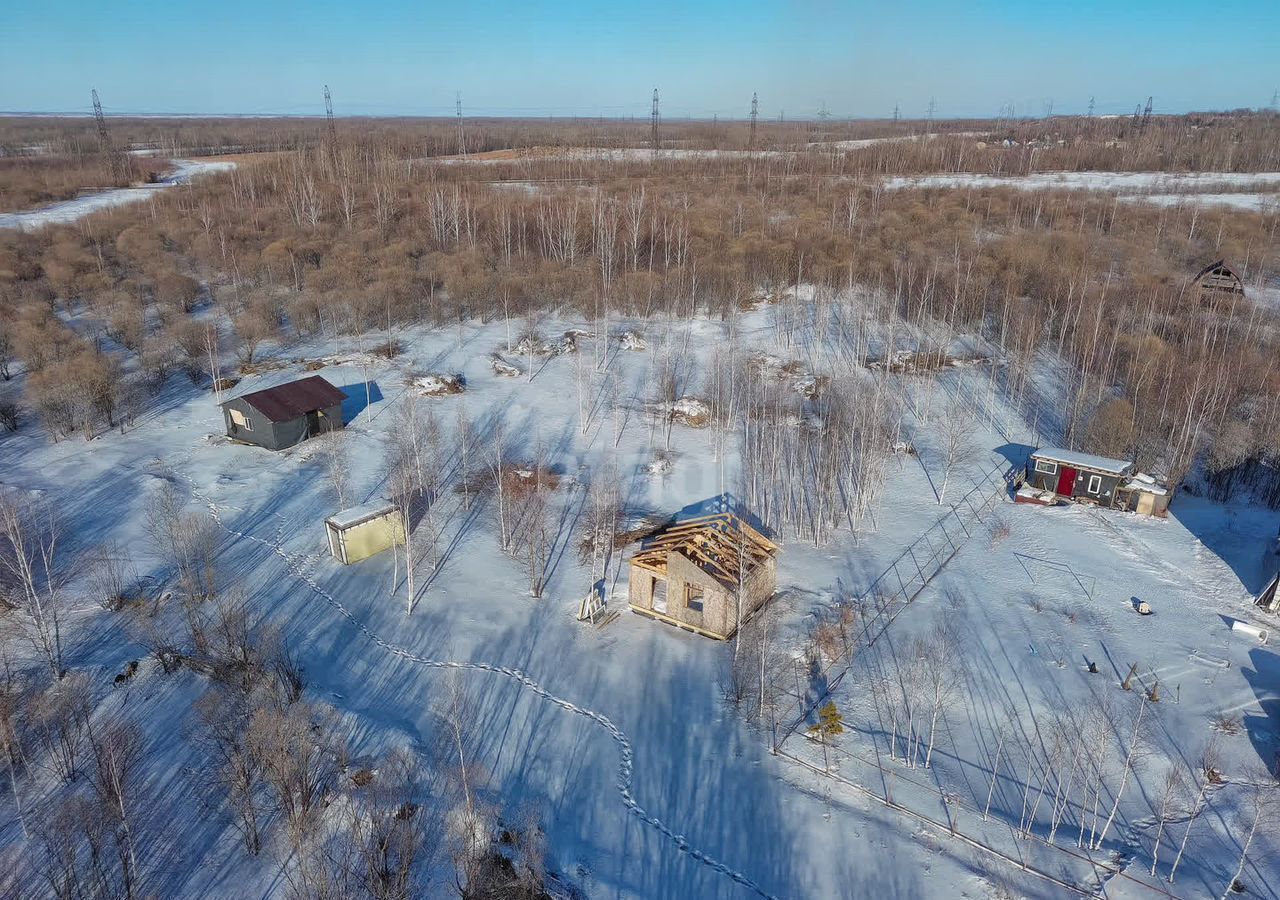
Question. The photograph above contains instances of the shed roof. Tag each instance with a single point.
(1080, 460)
(294, 398)
(362, 513)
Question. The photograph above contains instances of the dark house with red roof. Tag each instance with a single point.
(286, 414)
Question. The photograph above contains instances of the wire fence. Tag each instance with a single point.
(889, 594)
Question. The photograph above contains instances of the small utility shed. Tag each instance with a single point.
(705, 574)
(285, 415)
(360, 532)
(1078, 476)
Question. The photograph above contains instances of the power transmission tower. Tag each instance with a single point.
(1275, 100)
(932, 106)
(104, 139)
(823, 115)
(895, 112)
(119, 162)
(328, 114)
(653, 122)
(1090, 113)
(755, 112)
(1146, 116)
(462, 143)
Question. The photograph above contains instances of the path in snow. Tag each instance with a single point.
(72, 210)
(625, 765)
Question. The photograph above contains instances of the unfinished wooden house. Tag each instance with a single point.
(1218, 278)
(707, 574)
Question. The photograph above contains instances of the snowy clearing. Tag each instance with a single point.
(71, 210)
(1118, 182)
(653, 786)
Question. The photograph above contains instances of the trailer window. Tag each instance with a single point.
(240, 420)
(1095, 484)
(1048, 467)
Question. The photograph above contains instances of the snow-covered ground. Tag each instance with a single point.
(1160, 187)
(72, 210)
(618, 739)
(1248, 201)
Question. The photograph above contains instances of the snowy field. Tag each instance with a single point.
(71, 210)
(617, 739)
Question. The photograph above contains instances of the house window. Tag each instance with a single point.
(1095, 484)
(1047, 467)
(240, 420)
(693, 595)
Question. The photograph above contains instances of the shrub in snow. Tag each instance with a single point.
(435, 384)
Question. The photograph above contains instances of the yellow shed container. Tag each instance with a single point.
(360, 532)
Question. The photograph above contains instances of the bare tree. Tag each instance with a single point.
(117, 754)
(34, 571)
(59, 720)
(233, 777)
(1170, 788)
(1204, 775)
(337, 465)
(1262, 798)
(957, 426)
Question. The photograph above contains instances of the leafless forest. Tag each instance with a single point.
(376, 225)
(362, 230)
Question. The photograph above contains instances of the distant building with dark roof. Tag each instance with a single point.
(285, 415)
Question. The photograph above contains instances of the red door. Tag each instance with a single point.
(1066, 481)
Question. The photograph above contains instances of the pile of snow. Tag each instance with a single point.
(632, 340)
(503, 368)
(435, 384)
(692, 412)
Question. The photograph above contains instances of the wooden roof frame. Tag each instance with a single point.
(722, 544)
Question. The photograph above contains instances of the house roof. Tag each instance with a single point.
(288, 401)
(1079, 460)
(721, 544)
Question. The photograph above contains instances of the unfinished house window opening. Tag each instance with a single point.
(693, 597)
(1046, 467)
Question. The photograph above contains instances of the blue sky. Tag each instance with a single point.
(542, 57)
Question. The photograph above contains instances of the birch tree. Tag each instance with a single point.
(35, 571)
